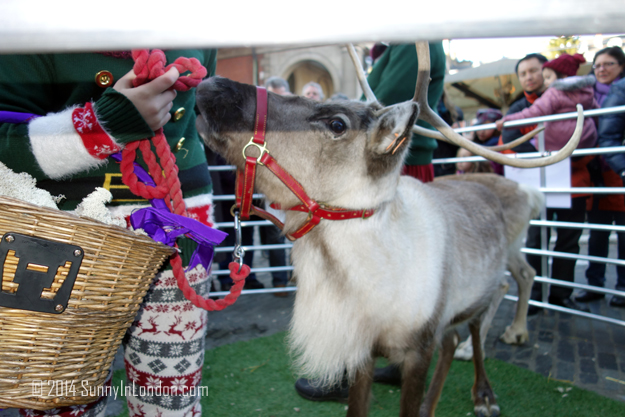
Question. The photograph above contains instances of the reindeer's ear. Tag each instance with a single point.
(393, 124)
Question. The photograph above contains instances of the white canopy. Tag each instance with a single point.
(78, 25)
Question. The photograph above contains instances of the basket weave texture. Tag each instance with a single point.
(75, 348)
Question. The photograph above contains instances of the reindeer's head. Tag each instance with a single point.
(344, 154)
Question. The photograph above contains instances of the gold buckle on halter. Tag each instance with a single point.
(262, 150)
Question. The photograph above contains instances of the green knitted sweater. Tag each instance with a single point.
(43, 84)
(393, 79)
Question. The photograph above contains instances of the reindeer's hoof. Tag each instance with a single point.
(484, 402)
(514, 337)
(485, 410)
(464, 351)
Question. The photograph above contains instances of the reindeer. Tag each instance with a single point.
(197, 327)
(172, 328)
(409, 262)
(153, 329)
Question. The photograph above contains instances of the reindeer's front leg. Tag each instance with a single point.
(483, 395)
(445, 357)
(414, 373)
(360, 391)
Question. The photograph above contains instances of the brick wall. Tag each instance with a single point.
(237, 69)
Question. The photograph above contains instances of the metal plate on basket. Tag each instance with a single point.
(37, 274)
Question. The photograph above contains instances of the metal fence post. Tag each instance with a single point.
(544, 244)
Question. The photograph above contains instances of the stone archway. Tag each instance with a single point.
(309, 70)
(330, 66)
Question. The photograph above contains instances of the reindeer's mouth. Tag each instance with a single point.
(202, 127)
(209, 136)
(224, 109)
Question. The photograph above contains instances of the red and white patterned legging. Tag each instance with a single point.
(163, 355)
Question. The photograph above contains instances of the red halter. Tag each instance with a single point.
(245, 183)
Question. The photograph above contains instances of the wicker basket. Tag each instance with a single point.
(76, 347)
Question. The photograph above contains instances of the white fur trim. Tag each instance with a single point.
(57, 146)
(574, 82)
(199, 200)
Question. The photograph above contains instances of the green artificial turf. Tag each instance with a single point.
(255, 379)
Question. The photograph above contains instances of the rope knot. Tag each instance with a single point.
(151, 65)
(238, 276)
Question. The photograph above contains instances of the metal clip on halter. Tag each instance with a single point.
(262, 148)
(239, 252)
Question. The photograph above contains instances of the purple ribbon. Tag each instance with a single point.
(15, 117)
(165, 227)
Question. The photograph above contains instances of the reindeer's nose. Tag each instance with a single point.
(225, 105)
(210, 86)
(210, 97)
(219, 92)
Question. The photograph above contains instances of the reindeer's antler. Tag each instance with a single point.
(428, 115)
(362, 77)
(516, 142)
(447, 134)
(371, 98)
(438, 135)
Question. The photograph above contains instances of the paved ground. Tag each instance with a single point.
(587, 353)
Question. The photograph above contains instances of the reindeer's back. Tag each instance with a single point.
(519, 203)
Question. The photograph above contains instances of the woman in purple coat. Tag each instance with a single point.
(609, 69)
(565, 91)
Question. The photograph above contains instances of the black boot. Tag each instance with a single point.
(588, 296)
(311, 390)
(388, 375)
(568, 303)
(617, 301)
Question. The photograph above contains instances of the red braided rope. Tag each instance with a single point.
(207, 303)
(165, 174)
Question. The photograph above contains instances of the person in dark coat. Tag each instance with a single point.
(529, 70)
(610, 133)
(453, 116)
(393, 80)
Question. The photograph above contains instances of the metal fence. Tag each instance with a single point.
(542, 222)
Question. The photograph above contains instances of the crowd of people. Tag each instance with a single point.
(69, 159)
(553, 87)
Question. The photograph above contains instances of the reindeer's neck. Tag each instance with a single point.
(350, 276)
(333, 245)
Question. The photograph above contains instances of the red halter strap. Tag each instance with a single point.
(245, 183)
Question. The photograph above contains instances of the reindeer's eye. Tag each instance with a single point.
(338, 126)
